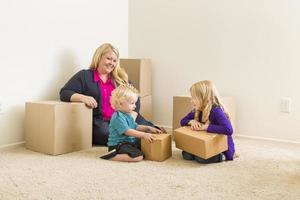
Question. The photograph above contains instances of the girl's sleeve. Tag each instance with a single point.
(74, 85)
(190, 116)
(219, 122)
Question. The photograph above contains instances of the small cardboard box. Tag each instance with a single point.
(55, 127)
(159, 150)
(139, 73)
(200, 143)
(146, 107)
(182, 106)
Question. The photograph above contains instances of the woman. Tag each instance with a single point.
(93, 87)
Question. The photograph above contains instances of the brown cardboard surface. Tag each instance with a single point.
(146, 107)
(55, 127)
(182, 106)
(159, 150)
(200, 143)
(139, 73)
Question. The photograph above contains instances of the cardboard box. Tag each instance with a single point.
(200, 143)
(159, 150)
(55, 127)
(139, 73)
(146, 107)
(182, 106)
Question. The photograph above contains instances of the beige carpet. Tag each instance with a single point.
(265, 170)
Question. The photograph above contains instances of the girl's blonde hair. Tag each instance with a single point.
(207, 95)
(123, 92)
(119, 74)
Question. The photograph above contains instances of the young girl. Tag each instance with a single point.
(124, 133)
(208, 115)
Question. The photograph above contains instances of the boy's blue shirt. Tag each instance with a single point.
(120, 122)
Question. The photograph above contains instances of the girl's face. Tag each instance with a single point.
(128, 105)
(108, 62)
(196, 103)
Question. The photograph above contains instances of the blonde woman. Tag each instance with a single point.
(94, 86)
(210, 115)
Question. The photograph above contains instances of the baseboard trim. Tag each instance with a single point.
(267, 139)
(169, 129)
(12, 146)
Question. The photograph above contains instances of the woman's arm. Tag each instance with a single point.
(74, 85)
(74, 89)
(148, 129)
(137, 105)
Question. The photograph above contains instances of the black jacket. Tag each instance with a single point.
(83, 83)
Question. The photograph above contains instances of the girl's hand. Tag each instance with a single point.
(195, 125)
(89, 101)
(203, 127)
(154, 130)
(148, 136)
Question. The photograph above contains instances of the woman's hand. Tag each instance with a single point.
(195, 125)
(154, 130)
(148, 136)
(89, 101)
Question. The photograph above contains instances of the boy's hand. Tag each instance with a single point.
(195, 125)
(154, 130)
(149, 137)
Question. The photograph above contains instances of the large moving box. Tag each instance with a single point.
(55, 127)
(139, 73)
(182, 106)
(200, 143)
(146, 107)
(160, 149)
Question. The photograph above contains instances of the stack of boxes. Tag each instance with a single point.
(139, 73)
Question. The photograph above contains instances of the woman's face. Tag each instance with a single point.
(108, 62)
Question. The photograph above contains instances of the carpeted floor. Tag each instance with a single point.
(264, 170)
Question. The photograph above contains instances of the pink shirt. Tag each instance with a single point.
(105, 90)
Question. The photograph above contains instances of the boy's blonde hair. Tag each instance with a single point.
(123, 92)
(206, 93)
(118, 73)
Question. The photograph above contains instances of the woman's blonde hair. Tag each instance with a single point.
(118, 73)
(123, 92)
(207, 95)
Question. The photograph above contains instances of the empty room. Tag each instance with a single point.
(140, 99)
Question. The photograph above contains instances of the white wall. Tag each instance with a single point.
(249, 48)
(43, 43)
